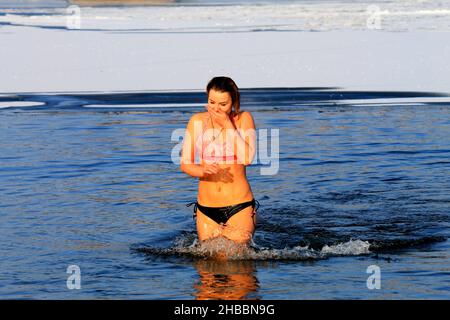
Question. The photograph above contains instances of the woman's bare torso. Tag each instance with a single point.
(229, 186)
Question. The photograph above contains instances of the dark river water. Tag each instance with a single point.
(360, 179)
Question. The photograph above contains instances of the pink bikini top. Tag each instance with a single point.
(211, 147)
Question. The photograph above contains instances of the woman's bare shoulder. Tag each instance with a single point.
(199, 116)
(244, 117)
(245, 114)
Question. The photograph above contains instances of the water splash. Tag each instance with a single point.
(350, 248)
(221, 248)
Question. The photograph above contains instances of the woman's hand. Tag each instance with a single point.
(209, 169)
(221, 118)
(217, 173)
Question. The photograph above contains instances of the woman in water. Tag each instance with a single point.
(224, 139)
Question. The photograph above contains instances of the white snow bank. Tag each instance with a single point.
(300, 16)
(12, 104)
(169, 48)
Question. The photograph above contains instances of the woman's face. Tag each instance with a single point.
(219, 101)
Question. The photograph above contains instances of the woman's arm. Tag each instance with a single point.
(187, 163)
(245, 138)
(200, 171)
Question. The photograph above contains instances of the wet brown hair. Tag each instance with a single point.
(225, 84)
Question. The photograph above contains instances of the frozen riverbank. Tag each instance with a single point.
(162, 49)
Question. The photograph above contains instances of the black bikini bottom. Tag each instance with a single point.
(222, 214)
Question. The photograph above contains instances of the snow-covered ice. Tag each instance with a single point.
(396, 45)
